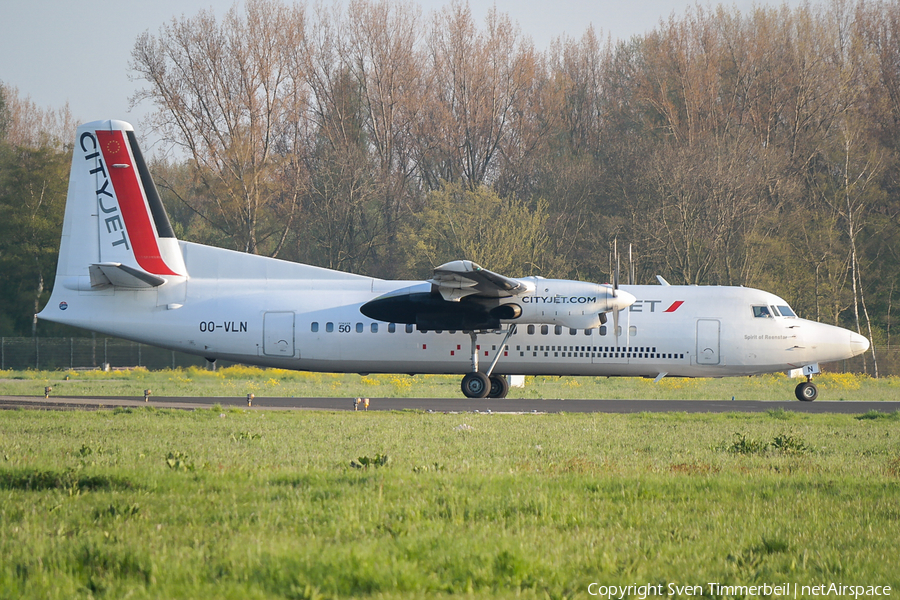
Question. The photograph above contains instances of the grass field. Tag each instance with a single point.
(239, 381)
(143, 503)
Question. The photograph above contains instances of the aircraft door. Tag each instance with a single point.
(278, 334)
(708, 341)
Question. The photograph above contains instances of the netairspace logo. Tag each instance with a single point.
(785, 590)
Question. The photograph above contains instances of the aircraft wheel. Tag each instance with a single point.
(499, 387)
(476, 385)
(806, 391)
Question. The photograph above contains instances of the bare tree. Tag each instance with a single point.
(382, 52)
(849, 192)
(26, 125)
(230, 95)
(475, 82)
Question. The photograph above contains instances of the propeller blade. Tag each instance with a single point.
(616, 327)
(628, 333)
(616, 273)
(619, 302)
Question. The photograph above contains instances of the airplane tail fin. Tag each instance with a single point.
(116, 232)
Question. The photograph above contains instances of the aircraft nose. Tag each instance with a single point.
(621, 301)
(858, 344)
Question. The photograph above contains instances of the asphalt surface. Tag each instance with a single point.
(458, 405)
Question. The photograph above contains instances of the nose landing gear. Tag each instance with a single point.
(807, 390)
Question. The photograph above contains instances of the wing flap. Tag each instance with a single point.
(460, 278)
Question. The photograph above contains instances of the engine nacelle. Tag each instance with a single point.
(507, 312)
(573, 304)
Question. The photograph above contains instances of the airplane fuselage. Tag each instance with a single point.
(315, 324)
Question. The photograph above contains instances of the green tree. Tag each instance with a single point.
(32, 199)
(506, 235)
(33, 180)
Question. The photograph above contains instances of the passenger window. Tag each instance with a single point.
(392, 327)
(409, 328)
(572, 331)
(329, 327)
(531, 330)
(374, 328)
(545, 329)
(632, 331)
(588, 331)
(314, 327)
(761, 312)
(558, 330)
(359, 328)
(603, 330)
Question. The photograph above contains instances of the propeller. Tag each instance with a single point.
(620, 298)
(616, 290)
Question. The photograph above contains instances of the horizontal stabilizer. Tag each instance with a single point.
(119, 275)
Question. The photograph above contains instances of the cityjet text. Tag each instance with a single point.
(105, 199)
(559, 299)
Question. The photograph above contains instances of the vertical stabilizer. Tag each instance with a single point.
(115, 232)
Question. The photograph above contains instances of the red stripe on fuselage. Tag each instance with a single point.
(130, 196)
(674, 306)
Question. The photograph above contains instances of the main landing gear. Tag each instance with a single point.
(476, 384)
(807, 390)
(479, 385)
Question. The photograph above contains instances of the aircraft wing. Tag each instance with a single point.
(460, 278)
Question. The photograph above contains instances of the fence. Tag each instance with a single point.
(18, 353)
(888, 358)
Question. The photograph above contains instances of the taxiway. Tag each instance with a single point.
(458, 405)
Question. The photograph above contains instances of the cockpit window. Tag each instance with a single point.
(767, 312)
(786, 311)
(761, 311)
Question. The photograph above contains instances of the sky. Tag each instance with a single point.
(59, 51)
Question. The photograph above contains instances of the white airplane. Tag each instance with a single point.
(121, 272)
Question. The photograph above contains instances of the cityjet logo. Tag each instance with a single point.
(559, 299)
(105, 199)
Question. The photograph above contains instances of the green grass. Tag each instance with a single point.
(239, 381)
(144, 503)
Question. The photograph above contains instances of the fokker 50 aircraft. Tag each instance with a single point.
(121, 272)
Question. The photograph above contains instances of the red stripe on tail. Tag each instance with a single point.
(132, 202)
